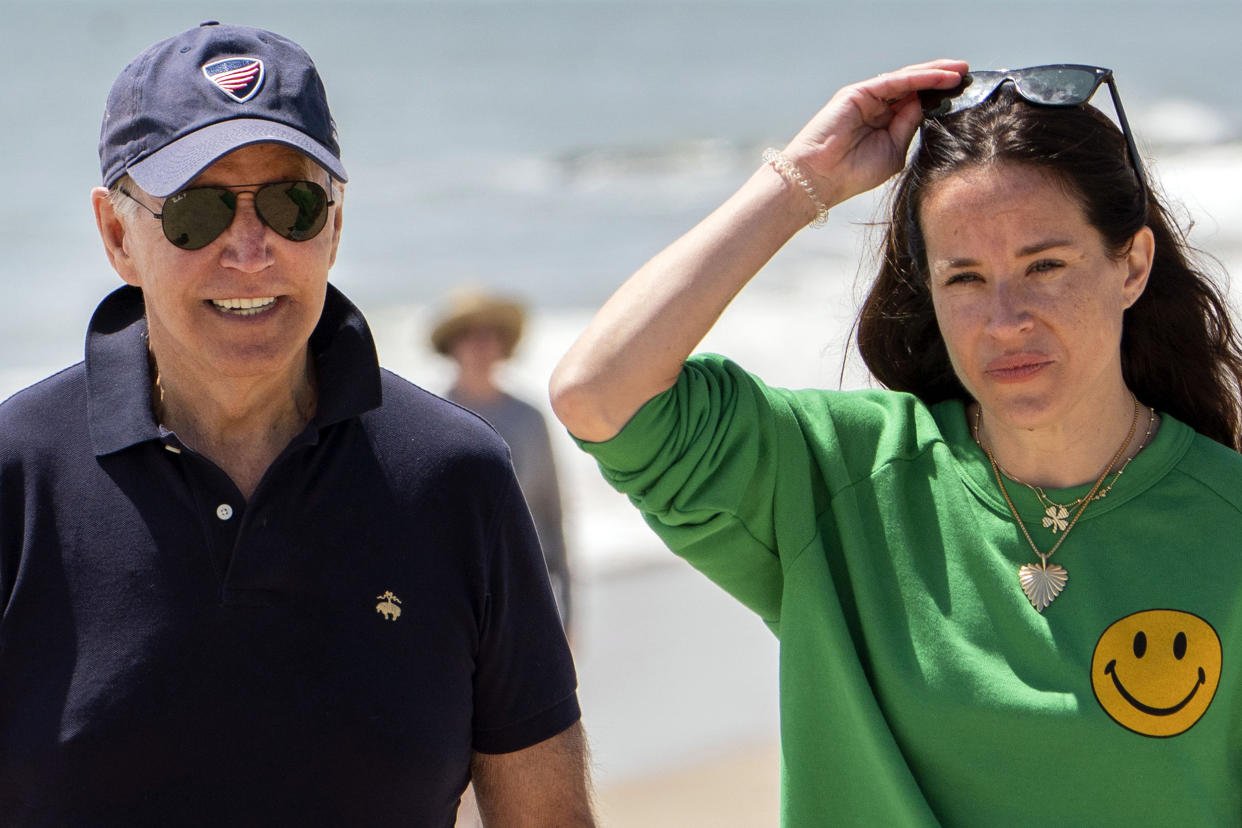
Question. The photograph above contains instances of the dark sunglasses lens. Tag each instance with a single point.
(972, 91)
(195, 218)
(936, 102)
(296, 210)
(1058, 86)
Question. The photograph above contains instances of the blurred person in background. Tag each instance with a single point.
(246, 575)
(479, 332)
(1006, 584)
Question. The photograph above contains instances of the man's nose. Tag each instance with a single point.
(247, 241)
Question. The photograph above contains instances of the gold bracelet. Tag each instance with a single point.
(789, 170)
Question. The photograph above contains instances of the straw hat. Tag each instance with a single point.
(469, 309)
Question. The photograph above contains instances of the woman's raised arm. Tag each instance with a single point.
(635, 346)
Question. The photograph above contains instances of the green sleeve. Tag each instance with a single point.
(707, 463)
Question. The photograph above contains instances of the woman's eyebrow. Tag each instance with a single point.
(1040, 247)
(1029, 250)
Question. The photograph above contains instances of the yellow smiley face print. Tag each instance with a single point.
(1155, 672)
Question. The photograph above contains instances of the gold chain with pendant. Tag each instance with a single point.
(1040, 582)
(1056, 515)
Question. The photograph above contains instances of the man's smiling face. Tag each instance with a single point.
(245, 304)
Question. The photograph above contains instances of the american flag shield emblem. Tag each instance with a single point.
(238, 77)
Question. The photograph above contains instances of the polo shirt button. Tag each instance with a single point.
(224, 511)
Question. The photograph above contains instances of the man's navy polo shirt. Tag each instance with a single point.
(329, 652)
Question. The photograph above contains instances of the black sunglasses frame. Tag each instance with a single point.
(316, 189)
(938, 103)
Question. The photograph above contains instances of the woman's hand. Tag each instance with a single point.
(859, 139)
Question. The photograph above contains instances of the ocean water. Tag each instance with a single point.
(548, 148)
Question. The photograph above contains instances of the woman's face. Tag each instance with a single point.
(1027, 298)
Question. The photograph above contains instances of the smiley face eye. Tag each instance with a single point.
(1179, 646)
(1140, 644)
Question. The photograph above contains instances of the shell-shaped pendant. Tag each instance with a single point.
(1042, 583)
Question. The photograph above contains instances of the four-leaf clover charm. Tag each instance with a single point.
(1056, 518)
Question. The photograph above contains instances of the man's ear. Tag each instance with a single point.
(1138, 265)
(113, 231)
(338, 220)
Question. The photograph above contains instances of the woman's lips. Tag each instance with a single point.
(1016, 368)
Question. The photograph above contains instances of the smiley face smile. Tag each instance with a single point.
(1111, 669)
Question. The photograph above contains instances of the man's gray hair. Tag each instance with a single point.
(124, 206)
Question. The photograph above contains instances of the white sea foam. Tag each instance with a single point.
(1207, 180)
(1185, 122)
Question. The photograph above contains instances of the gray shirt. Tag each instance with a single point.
(523, 428)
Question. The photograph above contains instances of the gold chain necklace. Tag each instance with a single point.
(1040, 582)
(1056, 515)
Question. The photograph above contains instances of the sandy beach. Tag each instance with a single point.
(740, 789)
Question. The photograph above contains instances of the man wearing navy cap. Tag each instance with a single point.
(247, 576)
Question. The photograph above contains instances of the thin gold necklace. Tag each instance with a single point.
(1040, 582)
(1056, 515)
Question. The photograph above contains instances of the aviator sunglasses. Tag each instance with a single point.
(1060, 84)
(195, 217)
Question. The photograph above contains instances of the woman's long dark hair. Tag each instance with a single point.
(1179, 350)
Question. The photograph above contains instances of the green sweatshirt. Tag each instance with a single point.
(918, 685)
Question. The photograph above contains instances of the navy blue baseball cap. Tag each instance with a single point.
(188, 101)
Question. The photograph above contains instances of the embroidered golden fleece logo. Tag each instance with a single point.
(388, 606)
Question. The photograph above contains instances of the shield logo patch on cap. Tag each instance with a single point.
(238, 77)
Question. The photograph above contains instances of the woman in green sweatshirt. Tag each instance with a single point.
(983, 621)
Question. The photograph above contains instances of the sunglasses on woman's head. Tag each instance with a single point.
(1060, 84)
(195, 217)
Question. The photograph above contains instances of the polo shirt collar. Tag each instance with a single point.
(118, 372)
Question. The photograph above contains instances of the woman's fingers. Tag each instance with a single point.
(859, 138)
(891, 87)
(907, 115)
